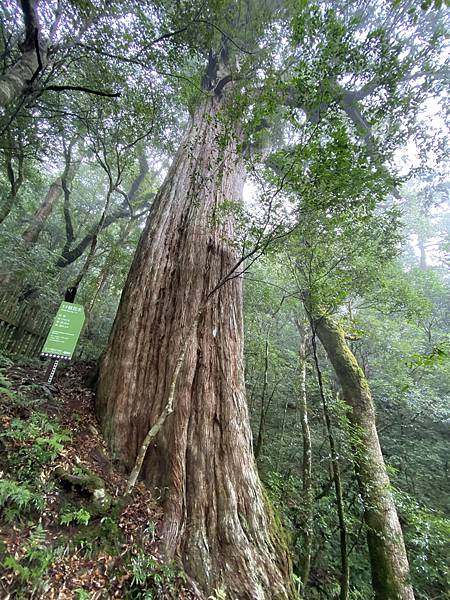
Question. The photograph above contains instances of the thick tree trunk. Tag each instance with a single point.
(389, 563)
(16, 80)
(201, 464)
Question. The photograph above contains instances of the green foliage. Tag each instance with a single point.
(152, 579)
(80, 517)
(150, 531)
(438, 354)
(427, 536)
(323, 96)
(90, 536)
(82, 594)
(33, 442)
(29, 444)
(5, 385)
(31, 569)
(18, 499)
(398, 317)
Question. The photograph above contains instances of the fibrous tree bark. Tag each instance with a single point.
(201, 464)
(389, 562)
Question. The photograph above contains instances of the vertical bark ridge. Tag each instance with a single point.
(201, 464)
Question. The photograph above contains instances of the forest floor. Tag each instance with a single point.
(58, 539)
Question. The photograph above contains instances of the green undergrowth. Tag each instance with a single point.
(426, 533)
(49, 529)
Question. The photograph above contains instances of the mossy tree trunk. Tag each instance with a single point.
(15, 176)
(201, 463)
(19, 77)
(15, 81)
(389, 562)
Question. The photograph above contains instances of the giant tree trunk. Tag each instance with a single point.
(389, 563)
(201, 464)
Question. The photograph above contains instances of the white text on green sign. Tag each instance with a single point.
(65, 331)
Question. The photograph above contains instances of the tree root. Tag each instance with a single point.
(88, 484)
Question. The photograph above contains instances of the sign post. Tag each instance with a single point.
(63, 335)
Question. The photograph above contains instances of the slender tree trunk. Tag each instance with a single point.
(389, 563)
(281, 440)
(32, 232)
(336, 474)
(105, 272)
(73, 288)
(15, 180)
(306, 464)
(201, 462)
(263, 411)
(423, 254)
(101, 281)
(7, 205)
(70, 253)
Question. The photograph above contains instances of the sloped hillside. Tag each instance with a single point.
(65, 530)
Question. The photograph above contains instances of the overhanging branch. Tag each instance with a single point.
(80, 88)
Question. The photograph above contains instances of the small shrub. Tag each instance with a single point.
(18, 499)
(80, 517)
(151, 580)
(32, 568)
(32, 443)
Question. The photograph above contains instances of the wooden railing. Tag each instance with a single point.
(23, 327)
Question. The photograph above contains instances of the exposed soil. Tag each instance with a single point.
(104, 571)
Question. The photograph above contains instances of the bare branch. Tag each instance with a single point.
(80, 88)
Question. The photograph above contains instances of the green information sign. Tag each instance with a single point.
(65, 331)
